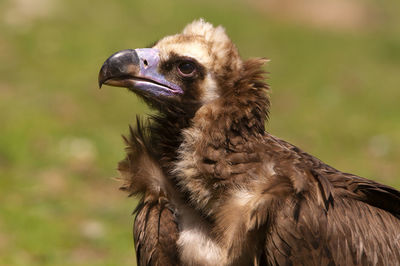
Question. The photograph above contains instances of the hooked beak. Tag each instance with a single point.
(137, 70)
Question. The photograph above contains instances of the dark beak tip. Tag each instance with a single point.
(100, 81)
(118, 65)
(102, 78)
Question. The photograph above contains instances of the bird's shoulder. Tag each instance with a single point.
(337, 184)
(333, 218)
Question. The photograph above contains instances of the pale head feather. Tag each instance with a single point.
(210, 46)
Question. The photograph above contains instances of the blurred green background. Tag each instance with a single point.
(335, 77)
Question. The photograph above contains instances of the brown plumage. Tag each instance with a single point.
(216, 188)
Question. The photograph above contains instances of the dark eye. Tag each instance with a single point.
(187, 68)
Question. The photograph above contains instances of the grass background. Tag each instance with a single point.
(335, 93)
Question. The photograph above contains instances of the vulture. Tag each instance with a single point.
(215, 187)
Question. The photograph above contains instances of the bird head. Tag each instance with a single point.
(185, 70)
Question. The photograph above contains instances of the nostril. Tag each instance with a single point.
(145, 62)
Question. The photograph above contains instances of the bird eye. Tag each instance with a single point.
(187, 69)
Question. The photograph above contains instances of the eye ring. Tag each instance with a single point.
(186, 68)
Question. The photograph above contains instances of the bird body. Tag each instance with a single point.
(217, 189)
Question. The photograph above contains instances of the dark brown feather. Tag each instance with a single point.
(155, 234)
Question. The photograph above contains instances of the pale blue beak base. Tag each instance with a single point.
(150, 80)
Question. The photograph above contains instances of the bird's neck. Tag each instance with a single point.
(213, 154)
